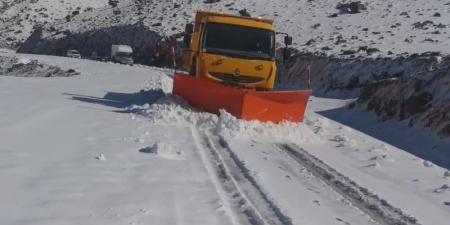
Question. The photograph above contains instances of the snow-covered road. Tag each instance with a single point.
(68, 156)
(112, 146)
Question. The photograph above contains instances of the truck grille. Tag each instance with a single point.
(230, 78)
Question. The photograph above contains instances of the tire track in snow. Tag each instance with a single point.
(255, 195)
(210, 168)
(243, 198)
(371, 204)
(272, 212)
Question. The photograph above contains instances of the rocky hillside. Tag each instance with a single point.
(98, 42)
(18, 18)
(418, 98)
(414, 89)
(346, 28)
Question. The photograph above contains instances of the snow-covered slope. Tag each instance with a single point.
(18, 18)
(390, 26)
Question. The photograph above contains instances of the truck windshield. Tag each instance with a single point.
(123, 54)
(239, 41)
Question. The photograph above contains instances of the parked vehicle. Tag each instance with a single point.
(122, 54)
(73, 54)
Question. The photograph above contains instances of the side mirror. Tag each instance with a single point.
(189, 28)
(287, 40)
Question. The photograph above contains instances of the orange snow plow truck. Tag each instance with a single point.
(232, 66)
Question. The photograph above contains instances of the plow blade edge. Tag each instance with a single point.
(274, 106)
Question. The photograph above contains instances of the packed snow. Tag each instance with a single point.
(67, 160)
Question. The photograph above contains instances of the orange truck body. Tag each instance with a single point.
(239, 81)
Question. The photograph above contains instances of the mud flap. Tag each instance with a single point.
(274, 106)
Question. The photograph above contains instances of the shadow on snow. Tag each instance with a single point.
(415, 140)
(121, 101)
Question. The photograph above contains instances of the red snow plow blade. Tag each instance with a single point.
(274, 106)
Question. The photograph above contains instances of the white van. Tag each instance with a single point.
(73, 54)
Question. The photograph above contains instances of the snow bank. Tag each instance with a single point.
(174, 110)
(230, 126)
(24, 67)
(422, 98)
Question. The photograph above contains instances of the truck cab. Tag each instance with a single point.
(232, 50)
